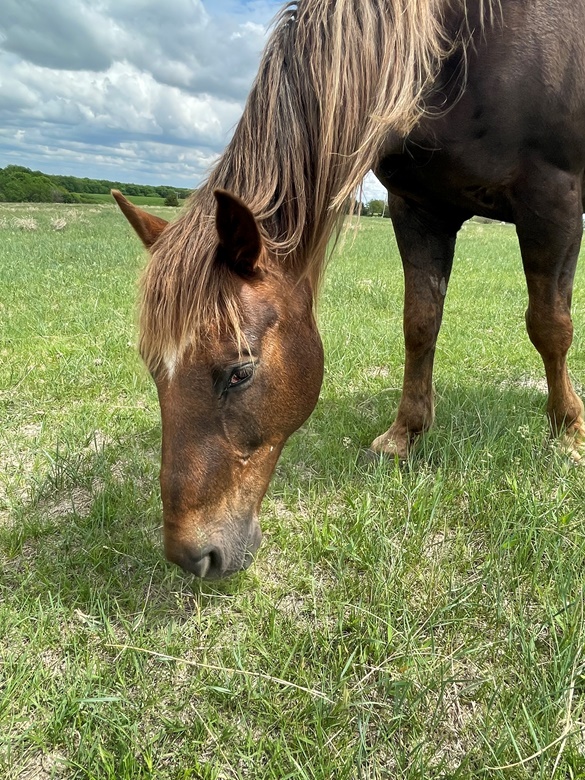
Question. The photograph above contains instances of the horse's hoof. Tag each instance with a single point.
(572, 444)
(391, 446)
(573, 450)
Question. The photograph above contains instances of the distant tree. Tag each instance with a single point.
(172, 199)
(377, 208)
(19, 184)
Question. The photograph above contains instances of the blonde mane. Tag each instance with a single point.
(336, 77)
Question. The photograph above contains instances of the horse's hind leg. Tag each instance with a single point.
(548, 213)
(426, 243)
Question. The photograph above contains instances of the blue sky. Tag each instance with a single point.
(129, 90)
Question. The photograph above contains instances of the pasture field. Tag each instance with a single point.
(138, 200)
(416, 621)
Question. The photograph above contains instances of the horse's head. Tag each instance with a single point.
(229, 404)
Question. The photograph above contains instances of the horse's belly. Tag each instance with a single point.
(442, 181)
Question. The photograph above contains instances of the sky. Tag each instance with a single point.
(140, 91)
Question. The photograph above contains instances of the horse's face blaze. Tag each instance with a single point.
(225, 418)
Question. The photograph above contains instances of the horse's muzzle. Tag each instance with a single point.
(218, 558)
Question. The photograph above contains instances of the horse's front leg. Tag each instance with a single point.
(548, 212)
(426, 243)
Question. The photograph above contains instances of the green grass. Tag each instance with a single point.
(138, 200)
(418, 621)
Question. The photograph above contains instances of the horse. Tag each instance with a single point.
(461, 108)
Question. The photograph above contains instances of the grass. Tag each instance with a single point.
(138, 200)
(419, 621)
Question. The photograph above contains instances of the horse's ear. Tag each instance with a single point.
(239, 236)
(147, 226)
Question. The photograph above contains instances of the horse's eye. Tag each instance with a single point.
(240, 375)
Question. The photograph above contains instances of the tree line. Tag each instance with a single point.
(19, 184)
(370, 208)
(375, 208)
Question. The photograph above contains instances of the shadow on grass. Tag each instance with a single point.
(91, 534)
(467, 418)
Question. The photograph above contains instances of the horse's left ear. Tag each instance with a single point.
(239, 236)
(147, 226)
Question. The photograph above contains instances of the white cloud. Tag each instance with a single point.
(60, 34)
(373, 190)
(133, 90)
(77, 75)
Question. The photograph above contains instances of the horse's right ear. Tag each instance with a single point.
(238, 233)
(147, 226)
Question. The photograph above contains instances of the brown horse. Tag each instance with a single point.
(461, 108)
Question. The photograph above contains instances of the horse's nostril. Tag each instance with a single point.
(204, 562)
(216, 563)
